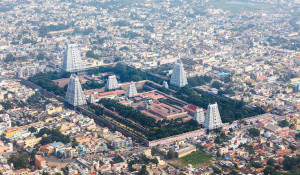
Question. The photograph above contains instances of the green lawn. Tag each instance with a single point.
(196, 158)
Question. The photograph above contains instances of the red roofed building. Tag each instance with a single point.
(191, 108)
(283, 152)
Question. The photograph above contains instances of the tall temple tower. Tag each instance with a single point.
(112, 83)
(75, 96)
(212, 118)
(178, 77)
(91, 99)
(72, 60)
(165, 85)
(131, 92)
(199, 116)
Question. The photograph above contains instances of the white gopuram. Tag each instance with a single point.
(75, 96)
(165, 85)
(199, 116)
(72, 60)
(212, 118)
(112, 83)
(178, 77)
(131, 92)
(91, 99)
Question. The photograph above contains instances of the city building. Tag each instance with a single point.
(5, 122)
(122, 142)
(39, 162)
(72, 60)
(74, 95)
(178, 77)
(212, 118)
(112, 83)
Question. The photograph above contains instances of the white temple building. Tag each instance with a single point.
(112, 83)
(72, 60)
(91, 99)
(75, 95)
(212, 118)
(165, 85)
(131, 92)
(178, 77)
(199, 116)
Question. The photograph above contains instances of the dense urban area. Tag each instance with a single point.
(149, 87)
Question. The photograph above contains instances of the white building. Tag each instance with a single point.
(131, 92)
(74, 95)
(5, 122)
(178, 77)
(72, 60)
(212, 118)
(199, 116)
(112, 83)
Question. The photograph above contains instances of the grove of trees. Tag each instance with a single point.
(155, 129)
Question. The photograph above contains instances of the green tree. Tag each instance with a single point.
(269, 170)
(9, 58)
(74, 143)
(32, 129)
(20, 160)
(171, 154)
(46, 140)
(252, 91)
(234, 172)
(270, 162)
(40, 56)
(254, 132)
(216, 84)
(143, 170)
(216, 170)
(45, 173)
(290, 163)
(256, 164)
(283, 123)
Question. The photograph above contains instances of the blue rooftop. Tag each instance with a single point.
(57, 144)
(222, 74)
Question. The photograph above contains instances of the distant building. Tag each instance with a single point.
(39, 162)
(131, 92)
(122, 142)
(212, 118)
(5, 122)
(72, 60)
(112, 83)
(188, 149)
(75, 96)
(178, 77)
(199, 116)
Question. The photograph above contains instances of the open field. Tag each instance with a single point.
(197, 159)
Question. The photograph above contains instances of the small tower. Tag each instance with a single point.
(91, 99)
(74, 95)
(131, 92)
(72, 60)
(112, 83)
(165, 85)
(212, 118)
(178, 77)
(199, 116)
